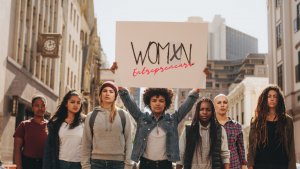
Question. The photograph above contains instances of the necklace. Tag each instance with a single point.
(157, 131)
(272, 113)
(41, 122)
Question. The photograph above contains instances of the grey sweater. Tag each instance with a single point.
(108, 142)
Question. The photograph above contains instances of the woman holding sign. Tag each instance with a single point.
(156, 139)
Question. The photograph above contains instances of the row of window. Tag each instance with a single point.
(239, 117)
(76, 47)
(71, 16)
(71, 80)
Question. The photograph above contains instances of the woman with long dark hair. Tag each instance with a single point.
(203, 143)
(271, 137)
(62, 150)
(156, 139)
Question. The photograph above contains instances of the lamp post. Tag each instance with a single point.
(15, 105)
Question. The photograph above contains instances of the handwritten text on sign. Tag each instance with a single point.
(158, 54)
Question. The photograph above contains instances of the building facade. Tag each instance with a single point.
(242, 101)
(91, 56)
(225, 75)
(24, 71)
(284, 55)
(225, 42)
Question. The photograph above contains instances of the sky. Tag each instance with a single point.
(249, 17)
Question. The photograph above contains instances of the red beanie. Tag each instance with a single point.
(111, 85)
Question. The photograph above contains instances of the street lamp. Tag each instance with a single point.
(15, 105)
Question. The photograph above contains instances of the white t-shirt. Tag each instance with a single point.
(70, 142)
(156, 145)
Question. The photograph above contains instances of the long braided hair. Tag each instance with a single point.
(194, 128)
(260, 118)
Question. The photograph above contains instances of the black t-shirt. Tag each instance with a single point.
(272, 153)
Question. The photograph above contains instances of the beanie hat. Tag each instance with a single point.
(111, 85)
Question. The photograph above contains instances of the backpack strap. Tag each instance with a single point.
(123, 119)
(94, 115)
(92, 121)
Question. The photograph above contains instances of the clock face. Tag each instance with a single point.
(49, 45)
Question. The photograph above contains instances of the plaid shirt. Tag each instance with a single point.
(235, 143)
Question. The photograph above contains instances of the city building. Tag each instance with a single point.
(242, 101)
(70, 66)
(174, 104)
(226, 74)
(225, 42)
(24, 72)
(284, 56)
(104, 61)
(91, 56)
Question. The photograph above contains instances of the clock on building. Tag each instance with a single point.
(49, 45)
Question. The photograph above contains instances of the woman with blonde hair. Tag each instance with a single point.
(106, 141)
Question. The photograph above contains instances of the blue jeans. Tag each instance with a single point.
(69, 165)
(107, 164)
(270, 166)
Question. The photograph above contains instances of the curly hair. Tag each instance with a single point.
(260, 118)
(167, 93)
(195, 127)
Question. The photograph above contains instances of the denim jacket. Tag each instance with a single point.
(146, 122)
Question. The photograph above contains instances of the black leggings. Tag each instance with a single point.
(270, 166)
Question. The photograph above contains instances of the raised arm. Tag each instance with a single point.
(186, 106)
(130, 104)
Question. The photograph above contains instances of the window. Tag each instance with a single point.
(208, 84)
(70, 44)
(277, 2)
(183, 94)
(71, 11)
(76, 53)
(200, 94)
(73, 49)
(262, 71)
(279, 71)
(85, 39)
(208, 94)
(74, 17)
(237, 112)
(297, 20)
(242, 110)
(216, 76)
(279, 35)
(62, 3)
(209, 76)
(77, 22)
(226, 67)
(68, 76)
(209, 66)
(71, 79)
(297, 69)
(217, 85)
(82, 37)
(74, 82)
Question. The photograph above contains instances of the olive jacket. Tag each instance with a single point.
(288, 143)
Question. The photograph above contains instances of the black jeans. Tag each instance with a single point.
(32, 163)
(270, 166)
(149, 164)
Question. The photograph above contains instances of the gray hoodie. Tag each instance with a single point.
(108, 142)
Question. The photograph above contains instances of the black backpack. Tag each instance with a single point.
(94, 114)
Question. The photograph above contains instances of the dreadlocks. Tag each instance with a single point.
(195, 126)
(260, 118)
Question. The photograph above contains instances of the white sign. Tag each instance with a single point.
(161, 54)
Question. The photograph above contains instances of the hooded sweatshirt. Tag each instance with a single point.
(108, 141)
